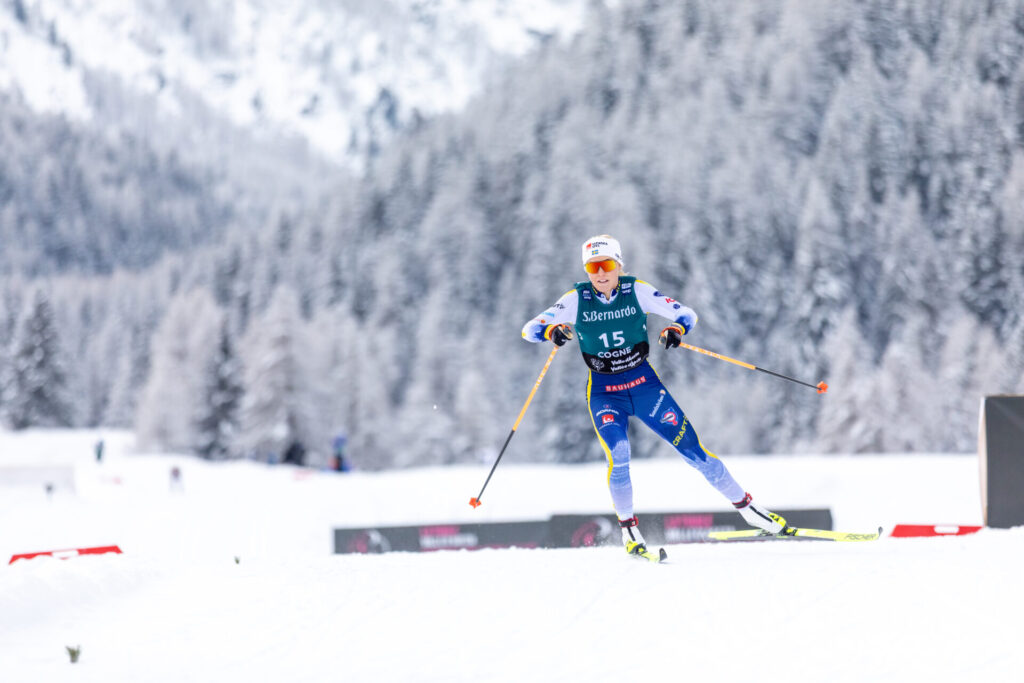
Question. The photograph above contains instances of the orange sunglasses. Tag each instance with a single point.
(608, 265)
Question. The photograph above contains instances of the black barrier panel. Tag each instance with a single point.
(441, 537)
(561, 531)
(666, 527)
(377, 540)
(1001, 457)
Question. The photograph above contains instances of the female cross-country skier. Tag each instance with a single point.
(609, 313)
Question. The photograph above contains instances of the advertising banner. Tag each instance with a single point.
(560, 531)
(441, 537)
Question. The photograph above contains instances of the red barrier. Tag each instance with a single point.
(917, 530)
(65, 554)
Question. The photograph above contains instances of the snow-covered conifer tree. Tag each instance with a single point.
(37, 385)
(129, 375)
(182, 346)
(220, 400)
(275, 409)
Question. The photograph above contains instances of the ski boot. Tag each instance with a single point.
(757, 516)
(634, 541)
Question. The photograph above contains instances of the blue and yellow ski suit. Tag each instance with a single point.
(622, 384)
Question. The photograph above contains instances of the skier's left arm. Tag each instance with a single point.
(683, 317)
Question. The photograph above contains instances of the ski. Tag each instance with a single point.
(646, 554)
(793, 533)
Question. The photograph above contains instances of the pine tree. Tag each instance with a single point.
(37, 390)
(220, 400)
(182, 345)
(274, 413)
(130, 371)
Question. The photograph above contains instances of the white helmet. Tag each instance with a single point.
(602, 245)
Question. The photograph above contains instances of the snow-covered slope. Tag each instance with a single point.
(342, 75)
(176, 606)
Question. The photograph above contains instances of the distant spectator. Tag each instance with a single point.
(99, 450)
(295, 454)
(339, 463)
(176, 483)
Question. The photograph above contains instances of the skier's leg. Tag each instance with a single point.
(666, 418)
(610, 413)
(610, 423)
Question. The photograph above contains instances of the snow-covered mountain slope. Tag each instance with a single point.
(342, 75)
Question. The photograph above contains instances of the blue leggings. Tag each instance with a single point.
(613, 399)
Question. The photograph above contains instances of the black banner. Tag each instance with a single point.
(441, 537)
(1001, 457)
(561, 531)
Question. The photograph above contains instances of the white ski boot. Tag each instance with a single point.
(757, 516)
(634, 541)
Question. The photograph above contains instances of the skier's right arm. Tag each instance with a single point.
(545, 326)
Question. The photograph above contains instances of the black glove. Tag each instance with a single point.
(558, 334)
(671, 336)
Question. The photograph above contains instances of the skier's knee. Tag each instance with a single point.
(620, 452)
(619, 475)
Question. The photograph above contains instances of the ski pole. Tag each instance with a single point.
(475, 502)
(820, 386)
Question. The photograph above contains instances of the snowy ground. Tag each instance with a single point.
(176, 606)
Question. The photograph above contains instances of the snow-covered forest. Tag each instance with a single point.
(836, 188)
